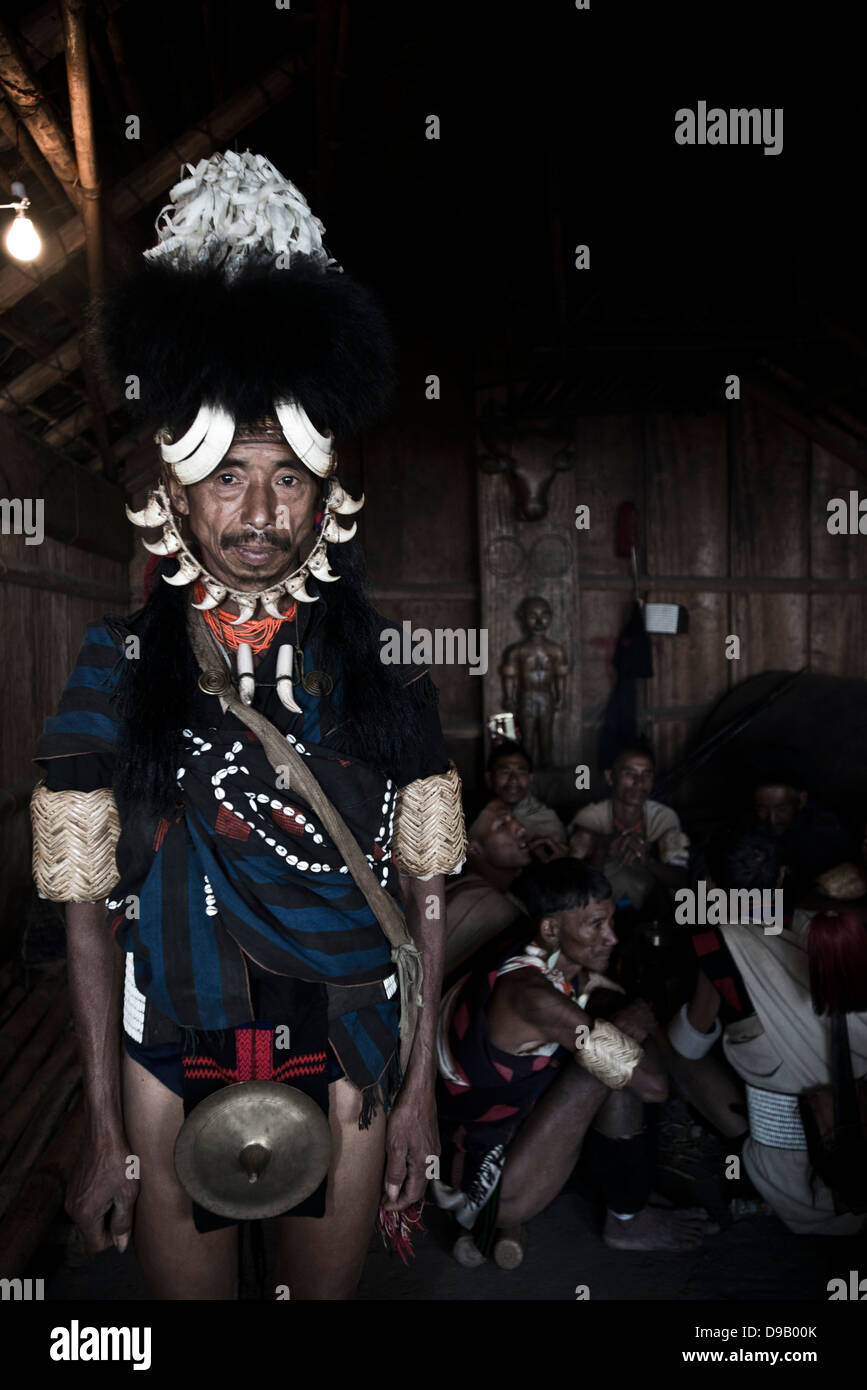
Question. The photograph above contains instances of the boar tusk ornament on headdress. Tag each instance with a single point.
(240, 321)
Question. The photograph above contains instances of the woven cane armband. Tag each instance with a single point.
(610, 1055)
(74, 839)
(429, 833)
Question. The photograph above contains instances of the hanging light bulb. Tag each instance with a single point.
(22, 240)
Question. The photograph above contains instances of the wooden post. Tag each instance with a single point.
(29, 102)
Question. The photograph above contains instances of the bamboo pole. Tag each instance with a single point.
(81, 113)
(30, 103)
(21, 140)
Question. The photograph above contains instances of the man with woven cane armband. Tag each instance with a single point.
(541, 1062)
(238, 794)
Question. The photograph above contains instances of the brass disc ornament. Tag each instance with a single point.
(214, 682)
(317, 683)
(253, 1150)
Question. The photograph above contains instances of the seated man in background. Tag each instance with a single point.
(810, 838)
(528, 1064)
(761, 983)
(509, 777)
(637, 842)
(478, 902)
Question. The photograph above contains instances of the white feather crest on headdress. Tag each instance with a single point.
(231, 205)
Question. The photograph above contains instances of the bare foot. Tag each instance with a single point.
(656, 1228)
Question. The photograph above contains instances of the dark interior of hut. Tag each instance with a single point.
(613, 523)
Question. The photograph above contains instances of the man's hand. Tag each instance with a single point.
(636, 1020)
(546, 849)
(411, 1141)
(630, 847)
(581, 843)
(99, 1188)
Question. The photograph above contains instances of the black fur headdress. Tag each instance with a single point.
(239, 305)
(192, 336)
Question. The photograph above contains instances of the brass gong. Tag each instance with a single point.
(252, 1150)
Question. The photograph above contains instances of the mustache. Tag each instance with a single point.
(256, 538)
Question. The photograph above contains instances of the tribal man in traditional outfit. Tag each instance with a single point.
(540, 1062)
(772, 997)
(234, 924)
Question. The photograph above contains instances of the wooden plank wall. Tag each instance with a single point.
(418, 528)
(733, 505)
(43, 628)
(733, 510)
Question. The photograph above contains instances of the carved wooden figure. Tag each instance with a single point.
(534, 675)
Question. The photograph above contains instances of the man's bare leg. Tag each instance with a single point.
(710, 1086)
(546, 1147)
(178, 1261)
(322, 1258)
(620, 1119)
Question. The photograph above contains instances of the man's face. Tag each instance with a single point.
(777, 807)
(253, 515)
(510, 779)
(586, 934)
(499, 838)
(631, 779)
